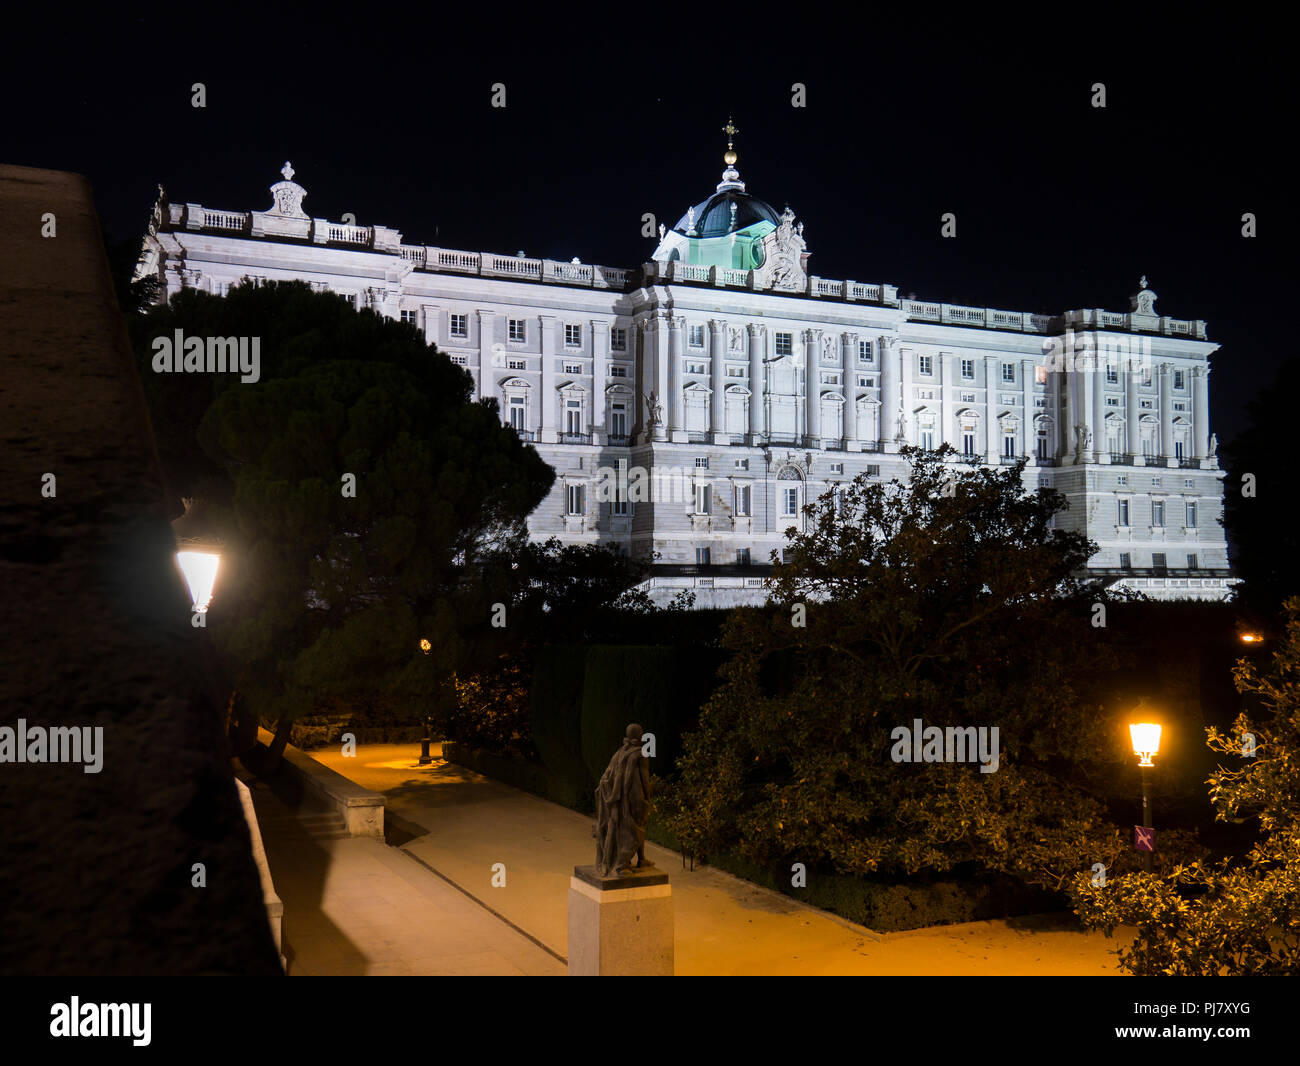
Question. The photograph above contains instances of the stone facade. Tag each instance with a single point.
(749, 385)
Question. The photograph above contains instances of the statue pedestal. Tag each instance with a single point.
(620, 926)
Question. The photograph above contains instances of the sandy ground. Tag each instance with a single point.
(461, 823)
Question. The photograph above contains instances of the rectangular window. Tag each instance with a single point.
(517, 412)
(968, 441)
(1157, 513)
(701, 462)
(517, 364)
(458, 326)
(784, 344)
(1009, 445)
(576, 499)
(701, 556)
(517, 334)
(1158, 560)
(618, 505)
(573, 368)
(1191, 514)
(744, 500)
(696, 368)
(1155, 481)
(573, 416)
(1040, 375)
(1123, 513)
(789, 503)
(1008, 371)
(618, 371)
(460, 360)
(830, 379)
(1042, 446)
(864, 382)
(697, 336)
(703, 498)
(742, 556)
(618, 419)
(1112, 374)
(864, 352)
(968, 369)
(1125, 561)
(925, 364)
(572, 336)
(837, 468)
(412, 317)
(1178, 379)
(873, 470)
(967, 397)
(735, 371)
(618, 340)
(1122, 479)
(1193, 563)
(1112, 401)
(927, 438)
(1178, 449)
(742, 464)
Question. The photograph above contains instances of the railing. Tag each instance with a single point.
(511, 266)
(348, 234)
(1047, 460)
(694, 437)
(1121, 459)
(468, 262)
(1189, 464)
(231, 220)
(618, 440)
(575, 438)
(415, 255)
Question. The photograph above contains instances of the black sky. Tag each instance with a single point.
(1059, 205)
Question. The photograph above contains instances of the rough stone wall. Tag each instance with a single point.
(95, 868)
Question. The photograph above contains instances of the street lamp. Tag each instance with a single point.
(1146, 743)
(198, 551)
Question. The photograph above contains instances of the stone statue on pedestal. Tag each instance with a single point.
(622, 807)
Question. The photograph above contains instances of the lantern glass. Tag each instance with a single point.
(1146, 737)
(200, 570)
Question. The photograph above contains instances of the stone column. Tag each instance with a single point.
(905, 394)
(550, 423)
(1027, 367)
(599, 356)
(486, 340)
(717, 379)
(1132, 412)
(991, 383)
(757, 385)
(812, 388)
(945, 398)
(1097, 423)
(1200, 412)
(1166, 415)
(676, 399)
(849, 353)
(890, 385)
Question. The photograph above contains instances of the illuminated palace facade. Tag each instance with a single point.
(752, 385)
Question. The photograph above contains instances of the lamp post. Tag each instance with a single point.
(198, 551)
(425, 757)
(1146, 743)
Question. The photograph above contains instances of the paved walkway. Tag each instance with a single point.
(355, 906)
(460, 824)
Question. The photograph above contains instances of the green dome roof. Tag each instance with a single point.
(713, 217)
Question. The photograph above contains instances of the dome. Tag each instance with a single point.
(713, 217)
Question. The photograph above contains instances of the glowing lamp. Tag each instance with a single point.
(198, 551)
(1146, 740)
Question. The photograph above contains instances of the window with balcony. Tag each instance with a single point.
(573, 416)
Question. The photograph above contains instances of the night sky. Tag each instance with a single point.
(1059, 205)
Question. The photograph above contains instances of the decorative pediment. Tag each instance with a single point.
(514, 383)
(737, 390)
(618, 390)
(832, 396)
(287, 196)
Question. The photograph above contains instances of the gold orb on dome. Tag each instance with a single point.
(729, 157)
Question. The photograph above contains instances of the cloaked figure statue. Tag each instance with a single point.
(622, 807)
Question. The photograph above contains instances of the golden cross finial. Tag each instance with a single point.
(730, 130)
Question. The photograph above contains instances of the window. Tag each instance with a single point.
(1040, 375)
(968, 441)
(1146, 377)
(518, 412)
(968, 369)
(459, 326)
(618, 340)
(701, 462)
(830, 379)
(1112, 374)
(412, 317)
(925, 363)
(1157, 513)
(742, 464)
(573, 416)
(618, 505)
(697, 336)
(1008, 371)
(1190, 522)
(618, 371)
(1193, 562)
(967, 397)
(742, 556)
(701, 556)
(1188, 483)
(703, 498)
(784, 343)
(1041, 444)
(927, 438)
(696, 368)
(1158, 560)
(1178, 449)
(1180, 405)
(837, 468)
(1123, 513)
(576, 499)
(744, 500)
(925, 394)
(460, 360)
(789, 503)
(1125, 561)
(572, 336)
(1040, 401)
(1178, 379)
(735, 371)
(1009, 445)
(351, 298)
(864, 352)
(1155, 481)
(517, 364)
(1146, 405)
(573, 368)
(618, 419)
(1122, 479)
(517, 333)
(873, 470)
(1112, 401)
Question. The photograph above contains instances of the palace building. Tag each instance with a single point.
(751, 385)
